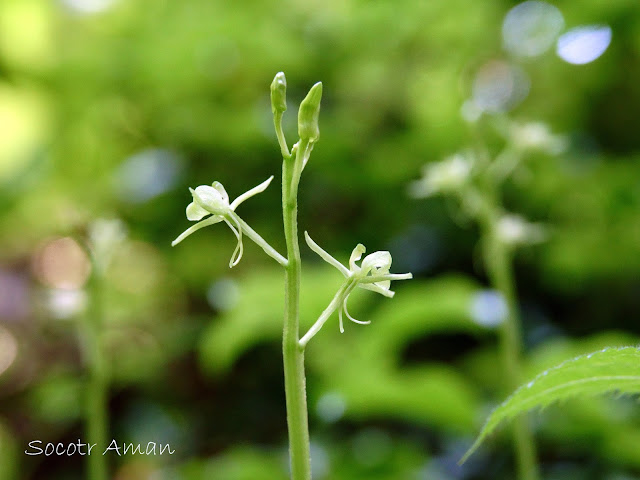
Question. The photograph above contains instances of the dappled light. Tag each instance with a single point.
(582, 45)
(61, 263)
(456, 180)
(531, 28)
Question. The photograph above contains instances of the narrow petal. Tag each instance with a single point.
(375, 288)
(250, 193)
(340, 320)
(346, 311)
(325, 256)
(387, 276)
(355, 256)
(195, 212)
(237, 253)
(196, 227)
(223, 193)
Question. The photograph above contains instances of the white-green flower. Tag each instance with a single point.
(213, 200)
(372, 274)
(537, 136)
(446, 176)
(514, 230)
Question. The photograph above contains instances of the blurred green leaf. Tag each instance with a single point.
(608, 370)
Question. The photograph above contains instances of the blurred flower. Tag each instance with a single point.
(213, 200)
(372, 274)
(105, 236)
(448, 175)
(515, 230)
(537, 136)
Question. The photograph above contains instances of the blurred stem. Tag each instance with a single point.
(485, 206)
(293, 354)
(96, 396)
(499, 263)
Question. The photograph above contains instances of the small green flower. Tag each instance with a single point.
(213, 200)
(372, 274)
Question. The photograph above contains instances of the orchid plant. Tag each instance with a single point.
(211, 205)
(473, 178)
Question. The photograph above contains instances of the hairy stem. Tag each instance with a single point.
(293, 355)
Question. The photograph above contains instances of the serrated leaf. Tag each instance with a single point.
(605, 371)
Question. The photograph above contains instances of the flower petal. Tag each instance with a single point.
(237, 253)
(325, 256)
(340, 322)
(386, 276)
(196, 227)
(378, 261)
(195, 212)
(375, 288)
(223, 193)
(210, 199)
(355, 256)
(346, 311)
(250, 193)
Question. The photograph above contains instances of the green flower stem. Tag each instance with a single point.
(277, 122)
(498, 261)
(335, 303)
(261, 242)
(96, 416)
(293, 355)
(303, 151)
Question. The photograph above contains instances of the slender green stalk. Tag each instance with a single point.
(253, 235)
(335, 303)
(293, 354)
(498, 261)
(96, 396)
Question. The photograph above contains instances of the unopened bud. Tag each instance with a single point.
(279, 93)
(308, 114)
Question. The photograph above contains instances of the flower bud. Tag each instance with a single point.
(279, 93)
(308, 114)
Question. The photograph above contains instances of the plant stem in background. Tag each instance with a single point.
(293, 355)
(96, 394)
(498, 262)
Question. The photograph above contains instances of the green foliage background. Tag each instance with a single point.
(188, 82)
